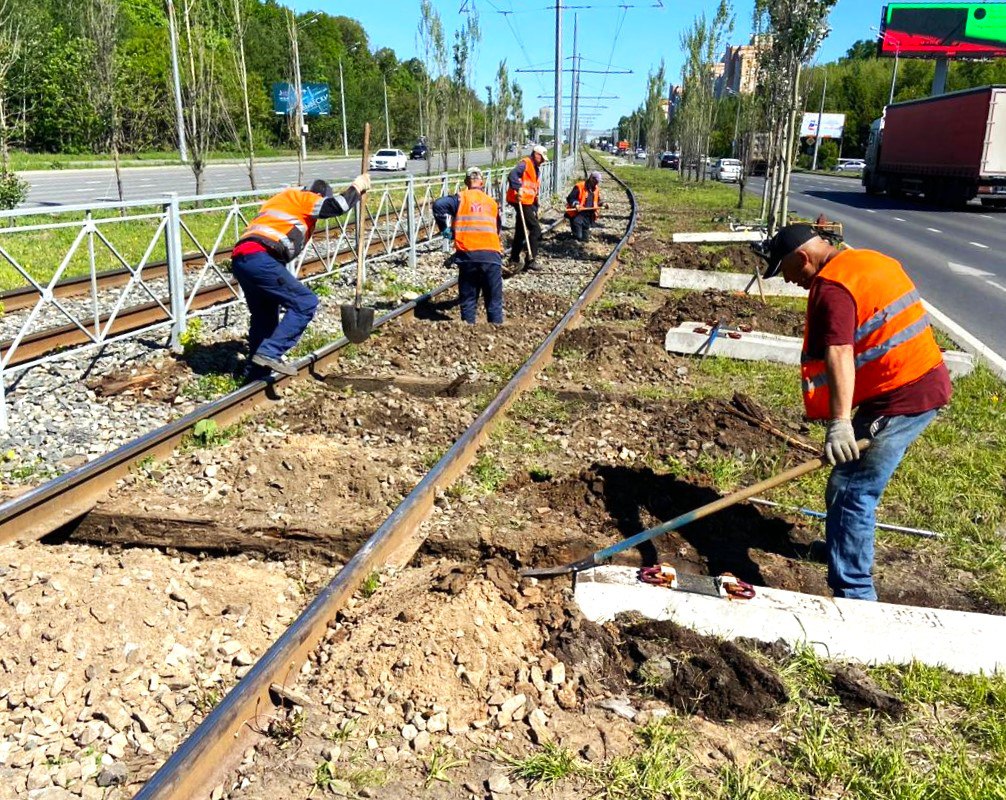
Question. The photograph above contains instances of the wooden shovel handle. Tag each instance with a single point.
(361, 217)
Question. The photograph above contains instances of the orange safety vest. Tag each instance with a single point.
(585, 200)
(285, 222)
(529, 184)
(893, 343)
(475, 223)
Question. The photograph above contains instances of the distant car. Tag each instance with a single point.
(389, 159)
(670, 161)
(512, 147)
(420, 150)
(641, 154)
(727, 170)
(849, 165)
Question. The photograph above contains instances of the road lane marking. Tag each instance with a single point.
(900, 219)
(971, 272)
(934, 230)
(998, 285)
(979, 244)
(871, 211)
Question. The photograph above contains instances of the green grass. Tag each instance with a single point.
(370, 584)
(441, 762)
(208, 387)
(549, 766)
(21, 160)
(311, 341)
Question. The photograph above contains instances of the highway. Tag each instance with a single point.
(71, 187)
(956, 258)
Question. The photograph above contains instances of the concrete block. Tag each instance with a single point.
(847, 630)
(756, 346)
(718, 237)
(699, 280)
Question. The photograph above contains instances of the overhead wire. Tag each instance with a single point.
(520, 42)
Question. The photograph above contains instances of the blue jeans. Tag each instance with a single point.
(854, 490)
(481, 279)
(267, 285)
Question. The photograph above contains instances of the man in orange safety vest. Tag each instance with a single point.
(867, 346)
(523, 188)
(582, 206)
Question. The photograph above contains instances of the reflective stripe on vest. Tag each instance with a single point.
(585, 200)
(893, 343)
(285, 219)
(475, 223)
(529, 184)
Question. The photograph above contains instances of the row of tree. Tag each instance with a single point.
(96, 77)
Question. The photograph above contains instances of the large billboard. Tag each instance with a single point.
(832, 125)
(949, 30)
(317, 101)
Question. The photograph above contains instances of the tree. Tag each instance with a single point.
(653, 114)
(240, 22)
(101, 25)
(12, 189)
(431, 45)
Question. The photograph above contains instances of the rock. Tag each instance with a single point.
(499, 783)
(38, 777)
(557, 674)
(538, 679)
(437, 723)
(539, 726)
(511, 710)
(422, 742)
(409, 732)
(620, 706)
(112, 775)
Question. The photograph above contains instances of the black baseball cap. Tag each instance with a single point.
(786, 240)
(320, 187)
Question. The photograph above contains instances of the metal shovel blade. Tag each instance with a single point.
(357, 322)
(562, 569)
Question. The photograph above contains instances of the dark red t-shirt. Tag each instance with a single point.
(247, 247)
(831, 314)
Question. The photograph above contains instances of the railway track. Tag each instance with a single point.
(195, 767)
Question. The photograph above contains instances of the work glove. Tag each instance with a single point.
(361, 183)
(575, 204)
(448, 234)
(840, 443)
(448, 237)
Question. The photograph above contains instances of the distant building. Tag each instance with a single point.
(719, 68)
(545, 115)
(739, 71)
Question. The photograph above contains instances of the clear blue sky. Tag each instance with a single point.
(526, 39)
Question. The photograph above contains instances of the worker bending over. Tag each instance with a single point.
(274, 238)
(582, 206)
(477, 249)
(867, 346)
(523, 187)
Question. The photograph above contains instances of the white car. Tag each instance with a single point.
(389, 159)
(850, 165)
(727, 169)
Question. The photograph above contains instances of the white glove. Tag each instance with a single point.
(840, 443)
(361, 183)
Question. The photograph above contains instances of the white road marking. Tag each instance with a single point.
(979, 244)
(900, 219)
(871, 211)
(934, 230)
(971, 272)
(998, 285)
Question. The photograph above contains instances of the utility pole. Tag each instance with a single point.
(342, 100)
(557, 112)
(387, 120)
(894, 75)
(183, 152)
(820, 114)
(299, 88)
(572, 91)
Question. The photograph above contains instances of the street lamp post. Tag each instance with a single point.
(342, 102)
(883, 35)
(820, 115)
(179, 118)
(298, 85)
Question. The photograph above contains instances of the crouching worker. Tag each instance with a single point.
(275, 237)
(582, 205)
(477, 247)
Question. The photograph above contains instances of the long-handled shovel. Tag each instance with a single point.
(595, 559)
(523, 227)
(357, 320)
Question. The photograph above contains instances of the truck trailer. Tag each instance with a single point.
(949, 148)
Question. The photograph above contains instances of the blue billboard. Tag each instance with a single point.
(317, 101)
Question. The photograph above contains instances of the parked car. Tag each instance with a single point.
(641, 154)
(512, 147)
(849, 165)
(670, 161)
(420, 150)
(389, 159)
(727, 170)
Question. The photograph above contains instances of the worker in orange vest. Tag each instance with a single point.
(582, 206)
(478, 252)
(523, 187)
(867, 346)
(274, 238)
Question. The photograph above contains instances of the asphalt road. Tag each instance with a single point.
(71, 187)
(956, 258)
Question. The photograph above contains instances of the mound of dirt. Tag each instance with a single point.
(729, 258)
(732, 310)
(701, 675)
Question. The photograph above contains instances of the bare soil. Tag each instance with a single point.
(731, 310)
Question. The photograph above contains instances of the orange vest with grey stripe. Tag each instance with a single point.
(893, 343)
(586, 199)
(529, 184)
(285, 222)
(475, 224)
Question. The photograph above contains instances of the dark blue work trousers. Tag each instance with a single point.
(268, 285)
(481, 279)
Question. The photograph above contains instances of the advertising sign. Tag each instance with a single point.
(316, 99)
(943, 30)
(832, 125)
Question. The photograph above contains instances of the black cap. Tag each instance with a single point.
(320, 187)
(786, 240)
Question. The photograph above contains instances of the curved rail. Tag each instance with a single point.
(191, 770)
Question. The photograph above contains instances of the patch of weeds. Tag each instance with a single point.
(540, 474)
(322, 288)
(311, 341)
(442, 760)
(654, 392)
(549, 766)
(498, 370)
(625, 285)
(192, 336)
(345, 732)
(725, 472)
(742, 782)
(488, 473)
(660, 769)
(23, 472)
(207, 433)
(286, 728)
(208, 698)
(210, 386)
(432, 457)
(370, 584)
(351, 352)
(566, 353)
(329, 776)
(541, 404)
(805, 670)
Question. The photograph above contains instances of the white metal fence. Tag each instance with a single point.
(41, 248)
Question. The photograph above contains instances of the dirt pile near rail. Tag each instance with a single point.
(732, 310)
(728, 258)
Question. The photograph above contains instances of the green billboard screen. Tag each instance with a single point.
(951, 30)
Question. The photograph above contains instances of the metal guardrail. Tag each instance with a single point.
(395, 208)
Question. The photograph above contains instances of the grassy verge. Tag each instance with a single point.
(21, 160)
